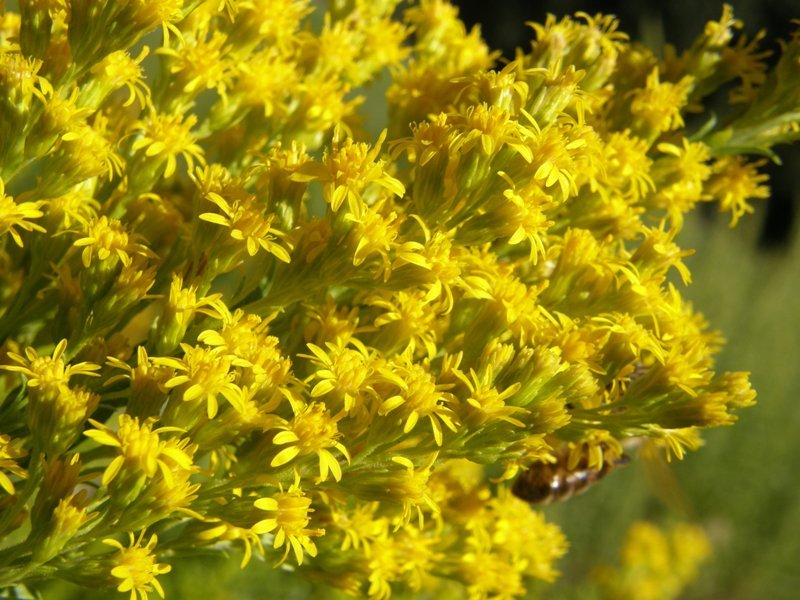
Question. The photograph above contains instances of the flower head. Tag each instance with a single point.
(487, 402)
(421, 396)
(107, 240)
(205, 375)
(48, 372)
(658, 105)
(10, 451)
(140, 451)
(733, 182)
(199, 64)
(347, 170)
(137, 567)
(312, 431)
(120, 70)
(289, 522)
(165, 137)
(244, 338)
(180, 308)
(248, 224)
(13, 216)
(344, 373)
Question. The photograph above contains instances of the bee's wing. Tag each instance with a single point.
(662, 479)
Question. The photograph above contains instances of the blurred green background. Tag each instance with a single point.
(743, 486)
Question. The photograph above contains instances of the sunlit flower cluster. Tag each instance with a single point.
(232, 316)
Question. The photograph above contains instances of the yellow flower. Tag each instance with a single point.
(556, 158)
(244, 338)
(14, 216)
(118, 70)
(83, 152)
(207, 374)
(226, 532)
(290, 522)
(488, 403)
(10, 451)
(492, 575)
(347, 170)
(146, 380)
(488, 129)
(164, 137)
(360, 526)
(55, 412)
(733, 182)
(312, 431)
(343, 371)
(324, 103)
(745, 60)
(497, 283)
(410, 487)
(332, 323)
(679, 175)
(136, 566)
(183, 303)
(141, 451)
(68, 516)
(20, 80)
(166, 497)
(676, 442)
(628, 167)
(409, 321)
(375, 231)
(357, 46)
(199, 64)
(446, 263)
(264, 81)
(420, 397)
(247, 223)
(108, 239)
(405, 555)
(657, 106)
(77, 204)
(279, 29)
(495, 538)
(48, 372)
(525, 210)
(655, 563)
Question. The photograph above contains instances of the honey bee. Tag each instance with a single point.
(545, 483)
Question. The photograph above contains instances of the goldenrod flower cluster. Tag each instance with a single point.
(230, 317)
(655, 563)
